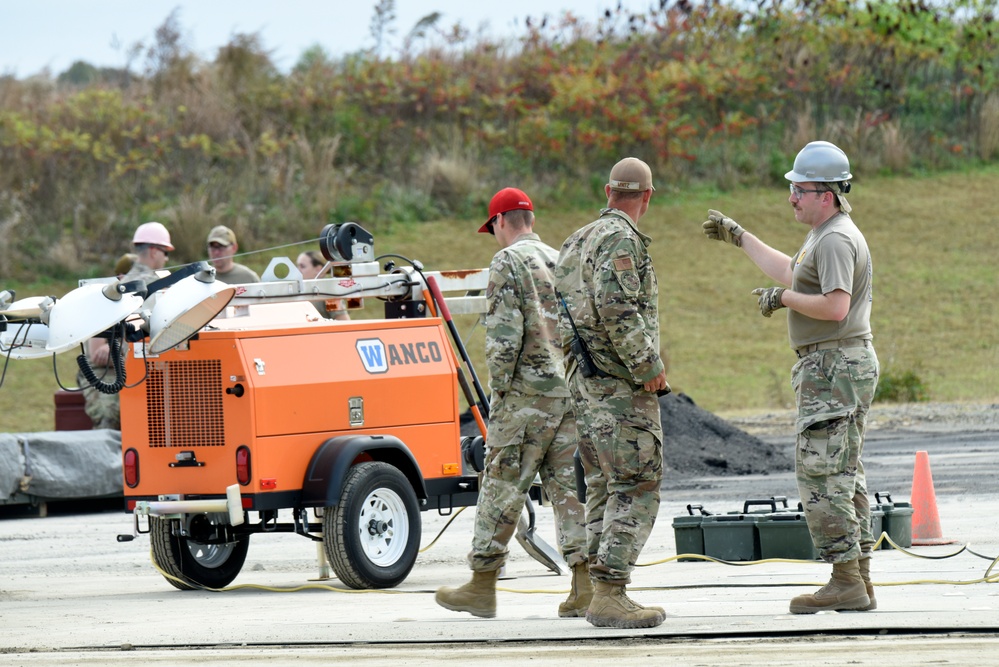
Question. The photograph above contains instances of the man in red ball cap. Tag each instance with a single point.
(531, 427)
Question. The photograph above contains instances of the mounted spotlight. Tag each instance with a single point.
(87, 311)
(24, 337)
(185, 308)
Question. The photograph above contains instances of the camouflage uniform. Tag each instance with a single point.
(140, 271)
(103, 409)
(606, 276)
(531, 427)
(833, 390)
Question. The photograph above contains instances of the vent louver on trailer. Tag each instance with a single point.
(184, 403)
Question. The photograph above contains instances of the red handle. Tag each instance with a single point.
(439, 298)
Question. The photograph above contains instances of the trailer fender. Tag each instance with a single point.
(333, 459)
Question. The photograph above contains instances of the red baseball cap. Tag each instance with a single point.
(507, 199)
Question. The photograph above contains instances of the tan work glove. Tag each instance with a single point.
(769, 299)
(720, 227)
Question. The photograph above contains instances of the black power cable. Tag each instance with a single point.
(117, 360)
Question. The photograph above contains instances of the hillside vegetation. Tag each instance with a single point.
(427, 126)
(934, 289)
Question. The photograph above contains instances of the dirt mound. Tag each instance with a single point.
(698, 443)
(701, 443)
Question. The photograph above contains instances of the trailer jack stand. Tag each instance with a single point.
(324, 564)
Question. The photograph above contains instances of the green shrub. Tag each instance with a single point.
(901, 387)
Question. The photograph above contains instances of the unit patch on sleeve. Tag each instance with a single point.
(629, 281)
(627, 276)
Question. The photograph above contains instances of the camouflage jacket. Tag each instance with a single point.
(605, 274)
(522, 342)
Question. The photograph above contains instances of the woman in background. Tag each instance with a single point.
(310, 263)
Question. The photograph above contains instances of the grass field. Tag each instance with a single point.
(932, 240)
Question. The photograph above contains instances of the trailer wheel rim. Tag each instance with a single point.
(383, 527)
(210, 555)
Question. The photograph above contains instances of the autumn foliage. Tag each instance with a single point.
(711, 92)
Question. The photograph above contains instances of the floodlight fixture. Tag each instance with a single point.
(24, 336)
(185, 308)
(86, 312)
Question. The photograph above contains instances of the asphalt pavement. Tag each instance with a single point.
(71, 594)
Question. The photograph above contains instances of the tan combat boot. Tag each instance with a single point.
(612, 608)
(477, 597)
(845, 591)
(865, 574)
(579, 595)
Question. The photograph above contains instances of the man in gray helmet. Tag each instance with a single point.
(828, 296)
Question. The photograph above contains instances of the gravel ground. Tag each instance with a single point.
(919, 417)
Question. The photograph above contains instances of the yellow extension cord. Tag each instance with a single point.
(987, 578)
(303, 587)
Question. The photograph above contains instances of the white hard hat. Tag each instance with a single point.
(153, 233)
(820, 162)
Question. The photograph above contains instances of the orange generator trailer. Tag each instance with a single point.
(342, 431)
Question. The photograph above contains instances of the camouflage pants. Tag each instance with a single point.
(833, 391)
(527, 435)
(104, 410)
(621, 447)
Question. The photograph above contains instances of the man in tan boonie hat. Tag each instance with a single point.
(222, 247)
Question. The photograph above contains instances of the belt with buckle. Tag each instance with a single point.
(832, 345)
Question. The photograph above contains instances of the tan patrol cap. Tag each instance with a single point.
(631, 175)
(222, 235)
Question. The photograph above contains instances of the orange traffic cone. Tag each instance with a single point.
(925, 519)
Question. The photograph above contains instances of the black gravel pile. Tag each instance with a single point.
(699, 443)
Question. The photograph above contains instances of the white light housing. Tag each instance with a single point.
(184, 309)
(30, 308)
(86, 312)
(24, 339)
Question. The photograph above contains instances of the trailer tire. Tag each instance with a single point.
(190, 565)
(372, 536)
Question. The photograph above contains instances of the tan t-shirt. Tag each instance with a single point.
(834, 256)
(238, 275)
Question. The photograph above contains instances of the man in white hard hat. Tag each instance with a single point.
(826, 288)
(222, 247)
(152, 246)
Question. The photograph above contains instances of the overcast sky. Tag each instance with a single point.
(35, 34)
